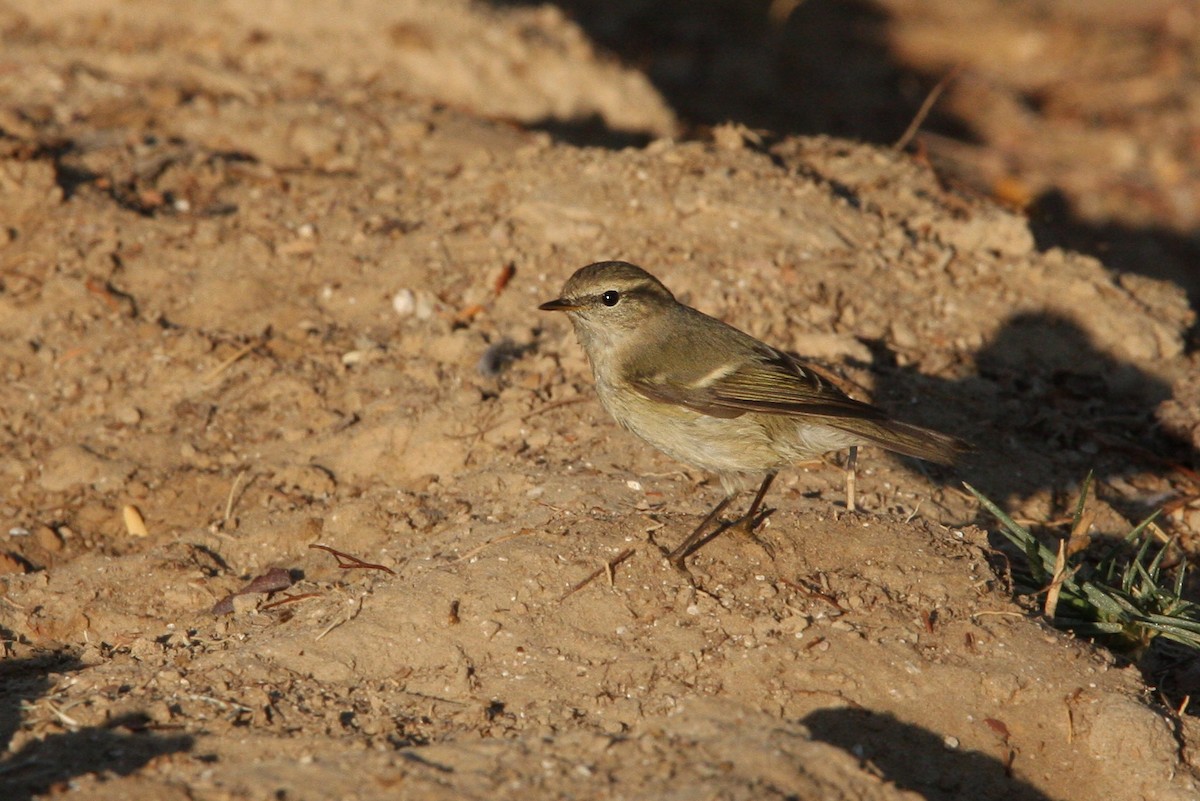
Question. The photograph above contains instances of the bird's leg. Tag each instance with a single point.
(686, 547)
(696, 539)
(851, 463)
(747, 522)
(758, 499)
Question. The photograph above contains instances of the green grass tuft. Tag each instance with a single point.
(1123, 600)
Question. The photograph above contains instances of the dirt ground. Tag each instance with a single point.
(269, 278)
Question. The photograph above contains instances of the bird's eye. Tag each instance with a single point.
(611, 297)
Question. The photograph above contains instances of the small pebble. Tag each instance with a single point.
(245, 603)
(404, 303)
(48, 538)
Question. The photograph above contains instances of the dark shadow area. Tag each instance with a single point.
(1154, 252)
(1175, 670)
(69, 177)
(823, 66)
(1044, 408)
(592, 131)
(122, 746)
(917, 759)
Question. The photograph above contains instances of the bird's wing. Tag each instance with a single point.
(756, 379)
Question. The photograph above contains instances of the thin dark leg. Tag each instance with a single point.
(696, 540)
(681, 552)
(758, 499)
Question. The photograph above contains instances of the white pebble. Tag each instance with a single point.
(404, 302)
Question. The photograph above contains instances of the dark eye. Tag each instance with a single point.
(611, 297)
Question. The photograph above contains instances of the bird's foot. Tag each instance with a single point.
(745, 527)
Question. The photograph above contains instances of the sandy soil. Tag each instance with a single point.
(269, 280)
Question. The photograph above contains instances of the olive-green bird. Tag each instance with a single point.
(713, 397)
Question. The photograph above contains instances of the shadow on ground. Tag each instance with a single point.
(916, 759)
(1155, 252)
(1044, 407)
(820, 66)
(121, 747)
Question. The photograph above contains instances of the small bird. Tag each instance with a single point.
(714, 397)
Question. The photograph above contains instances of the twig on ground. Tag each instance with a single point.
(926, 107)
(347, 562)
(607, 567)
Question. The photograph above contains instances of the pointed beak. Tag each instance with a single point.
(558, 305)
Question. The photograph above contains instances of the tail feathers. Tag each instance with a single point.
(908, 439)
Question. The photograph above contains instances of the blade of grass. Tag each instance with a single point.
(1041, 560)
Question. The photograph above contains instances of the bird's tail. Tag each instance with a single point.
(907, 439)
